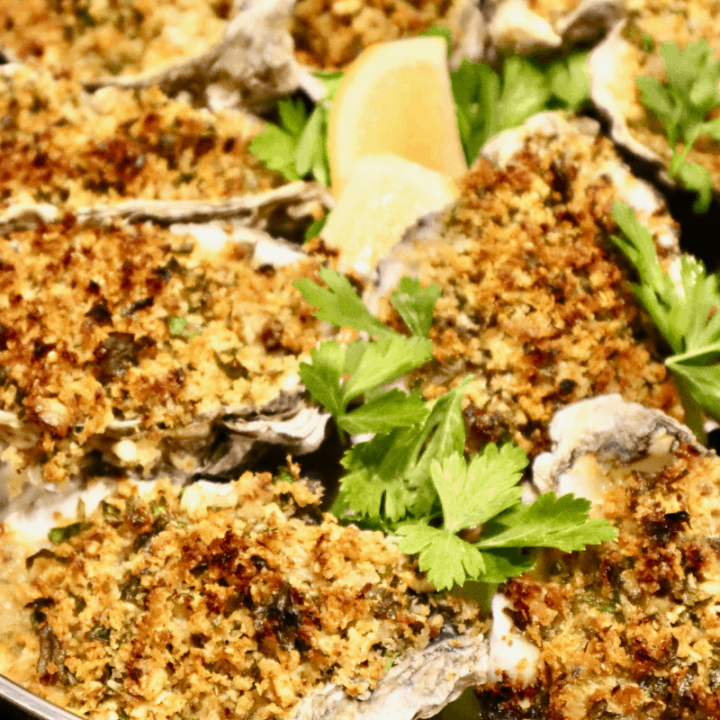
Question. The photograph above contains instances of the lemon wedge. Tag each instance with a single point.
(396, 98)
(382, 197)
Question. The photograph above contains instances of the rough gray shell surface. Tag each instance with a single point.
(592, 435)
(418, 685)
(514, 27)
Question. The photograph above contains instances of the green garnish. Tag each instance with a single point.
(411, 477)
(367, 366)
(298, 146)
(688, 320)
(486, 103)
(59, 535)
(682, 106)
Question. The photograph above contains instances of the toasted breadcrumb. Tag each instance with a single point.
(329, 34)
(87, 39)
(629, 629)
(63, 146)
(535, 302)
(236, 604)
(109, 324)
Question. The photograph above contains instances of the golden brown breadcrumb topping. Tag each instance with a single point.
(87, 39)
(329, 34)
(63, 146)
(535, 303)
(220, 605)
(100, 325)
(631, 628)
(651, 23)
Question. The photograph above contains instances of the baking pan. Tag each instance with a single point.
(16, 703)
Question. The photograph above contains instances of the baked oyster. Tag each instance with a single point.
(629, 628)
(88, 39)
(535, 302)
(134, 350)
(271, 48)
(240, 599)
(632, 50)
(541, 26)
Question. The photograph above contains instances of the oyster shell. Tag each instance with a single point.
(508, 304)
(271, 213)
(250, 65)
(642, 608)
(514, 27)
(445, 652)
(72, 150)
(236, 406)
(623, 56)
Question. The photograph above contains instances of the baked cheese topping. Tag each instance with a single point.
(629, 629)
(107, 324)
(329, 35)
(66, 147)
(535, 302)
(209, 604)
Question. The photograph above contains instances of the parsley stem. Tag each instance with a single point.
(693, 409)
(701, 356)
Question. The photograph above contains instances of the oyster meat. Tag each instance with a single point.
(643, 609)
(272, 609)
(535, 302)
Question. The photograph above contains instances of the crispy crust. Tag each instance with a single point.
(62, 146)
(239, 609)
(330, 34)
(629, 628)
(103, 324)
(90, 38)
(535, 302)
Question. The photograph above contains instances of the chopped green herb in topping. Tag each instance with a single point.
(59, 535)
(182, 328)
(111, 513)
(233, 369)
(99, 633)
(46, 555)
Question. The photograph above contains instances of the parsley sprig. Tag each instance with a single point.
(412, 477)
(488, 102)
(682, 106)
(298, 146)
(688, 319)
